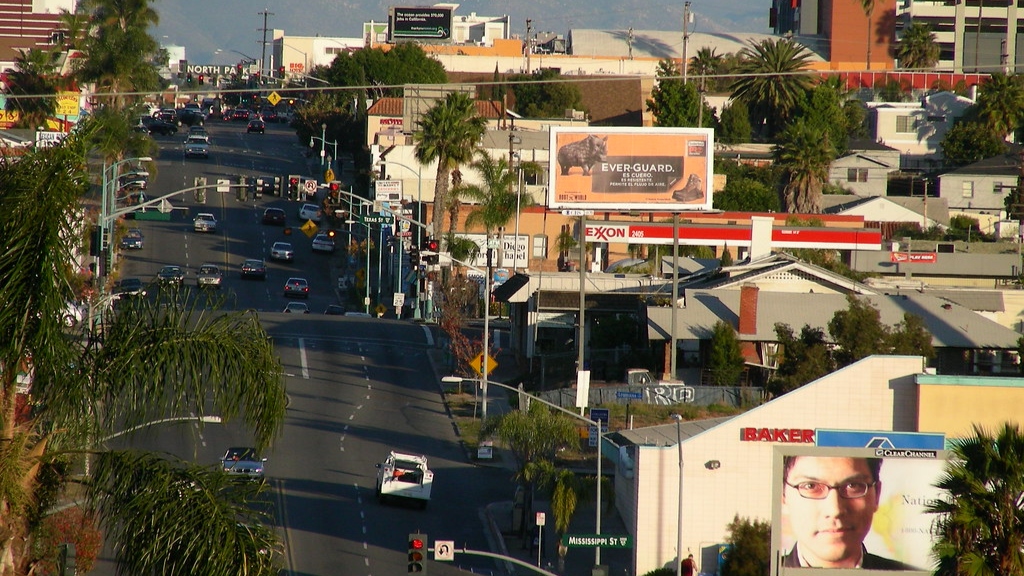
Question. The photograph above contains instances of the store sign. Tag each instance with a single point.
(913, 257)
(784, 435)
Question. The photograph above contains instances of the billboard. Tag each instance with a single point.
(421, 23)
(622, 169)
(846, 508)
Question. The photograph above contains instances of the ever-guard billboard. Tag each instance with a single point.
(421, 23)
(667, 169)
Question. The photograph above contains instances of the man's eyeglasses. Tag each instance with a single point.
(819, 490)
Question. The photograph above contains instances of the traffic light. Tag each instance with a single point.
(293, 186)
(414, 257)
(417, 553)
(431, 250)
(291, 101)
(188, 78)
(280, 72)
(335, 191)
(238, 67)
(202, 80)
(331, 233)
(277, 186)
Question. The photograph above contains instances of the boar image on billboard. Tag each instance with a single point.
(631, 168)
(858, 509)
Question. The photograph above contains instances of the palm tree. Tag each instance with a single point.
(980, 528)
(32, 86)
(771, 81)
(705, 63)
(918, 49)
(1000, 103)
(448, 134)
(120, 48)
(144, 361)
(869, 9)
(497, 199)
(804, 153)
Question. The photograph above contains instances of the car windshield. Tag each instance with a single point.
(247, 454)
(208, 270)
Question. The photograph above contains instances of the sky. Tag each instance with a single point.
(206, 26)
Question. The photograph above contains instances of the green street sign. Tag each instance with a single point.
(377, 219)
(596, 541)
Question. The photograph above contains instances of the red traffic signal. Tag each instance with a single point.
(432, 245)
(417, 546)
(202, 79)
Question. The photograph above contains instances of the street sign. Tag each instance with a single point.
(310, 186)
(577, 212)
(599, 415)
(329, 175)
(444, 550)
(477, 364)
(399, 300)
(309, 228)
(377, 219)
(596, 541)
(629, 394)
(274, 99)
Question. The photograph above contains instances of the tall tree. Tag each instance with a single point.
(497, 199)
(31, 87)
(384, 72)
(674, 102)
(751, 548)
(869, 10)
(706, 63)
(802, 358)
(858, 332)
(119, 48)
(804, 153)
(979, 528)
(771, 80)
(1000, 104)
(823, 109)
(970, 141)
(448, 133)
(918, 49)
(149, 360)
(725, 361)
(734, 123)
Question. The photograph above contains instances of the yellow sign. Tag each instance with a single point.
(329, 175)
(477, 364)
(309, 228)
(67, 104)
(274, 98)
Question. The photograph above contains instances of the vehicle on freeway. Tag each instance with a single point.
(209, 276)
(274, 217)
(404, 476)
(334, 310)
(310, 212)
(269, 115)
(169, 115)
(171, 275)
(158, 126)
(254, 268)
(296, 288)
(243, 461)
(197, 146)
(204, 222)
(323, 243)
(132, 239)
(127, 287)
(240, 115)
(282, 251)
(353, 314)
(226, 114)
(296, 308)
(256, 125)
(199, 132)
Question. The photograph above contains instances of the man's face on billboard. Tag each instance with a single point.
(830, 503)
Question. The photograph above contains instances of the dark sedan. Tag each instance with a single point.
(254, 268)
(274, 217)
(256, 126)
(172, 275)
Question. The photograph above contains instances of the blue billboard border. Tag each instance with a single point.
(879, 439)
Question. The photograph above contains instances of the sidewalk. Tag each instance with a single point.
(503, 519)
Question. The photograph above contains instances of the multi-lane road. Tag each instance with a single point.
(357, 387)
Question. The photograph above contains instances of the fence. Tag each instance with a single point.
(662, 395)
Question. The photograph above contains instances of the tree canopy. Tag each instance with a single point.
(545, 94)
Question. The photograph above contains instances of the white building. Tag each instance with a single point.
(916, 129)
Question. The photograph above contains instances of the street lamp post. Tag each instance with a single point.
(106, 199)
(419, 215)
(679, 510)
(366, 278)
(324, 145)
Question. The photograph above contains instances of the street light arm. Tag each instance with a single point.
(204, 419)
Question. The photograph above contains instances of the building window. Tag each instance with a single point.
(905, 124)
(968, 189)
(856, 174)
(540, 246)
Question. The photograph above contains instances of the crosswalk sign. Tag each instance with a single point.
(310, 228)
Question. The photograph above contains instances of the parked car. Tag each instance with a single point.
(323, 243)
(274, 217)
(243, 461)
(256, 126)
(282, 251)
(297, 288)
(204, 222)
(254, 268)
(172, 275)
(209, 276)
(132, 239)
(296, 308)
(310, 212)
(197, 146)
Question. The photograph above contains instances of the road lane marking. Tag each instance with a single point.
(302, 358)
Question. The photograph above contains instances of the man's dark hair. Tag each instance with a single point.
(874, 465)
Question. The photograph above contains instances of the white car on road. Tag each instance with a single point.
(309, 212)
(197, 146)
(282, 251)
(204, 222)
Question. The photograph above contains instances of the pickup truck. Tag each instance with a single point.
(404, 476)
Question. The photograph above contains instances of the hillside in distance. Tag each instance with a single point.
(212, 32)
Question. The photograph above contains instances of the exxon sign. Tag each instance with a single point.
(605, 233)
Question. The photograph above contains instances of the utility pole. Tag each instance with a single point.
(629, 41)
(263, 55)
(687, 20)
(529, 46)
